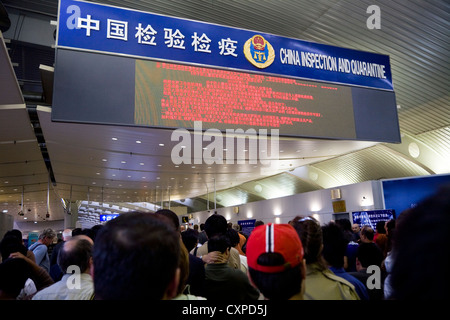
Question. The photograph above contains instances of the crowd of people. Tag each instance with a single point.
(150, 256)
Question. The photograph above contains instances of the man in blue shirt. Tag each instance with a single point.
(40, 248)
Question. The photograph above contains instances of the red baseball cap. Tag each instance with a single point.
(277, 238)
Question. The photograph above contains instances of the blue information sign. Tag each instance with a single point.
(93, 27)
(370, 218)
(247, 226)
(107, 217)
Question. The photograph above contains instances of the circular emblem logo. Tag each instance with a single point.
(259, 51)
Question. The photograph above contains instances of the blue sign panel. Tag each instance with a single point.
(370, 218)
(405, 193)
(93, 27)
(247, 226)
(107, 217)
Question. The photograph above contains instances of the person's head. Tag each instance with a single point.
(215, 225)
(355, 228)
(379, 228)
(47, 236)
(420, 250)
(14, 272)
(233, 236)
(334, 245)
(310, 234)
(9, 244)
(275, 261)
(170, 215)
(237, 227)
(66, 234)
(77, 251)
(367, 234)
(368, 255)
(389, 226)
(259, 223)
(77, 232)
(220, 243)
(190, 238)
(136, 256)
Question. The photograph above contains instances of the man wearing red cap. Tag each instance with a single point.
(275, 261)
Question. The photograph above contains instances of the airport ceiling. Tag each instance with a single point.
(85, 163)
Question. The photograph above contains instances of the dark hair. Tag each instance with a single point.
(310, 233)
(135, 257)
(380, 227)
(78, 254)
(9, 244)
(14, 272)
(369, 254)
(190, 238)
(259, 223)
(171, 215)
(233, 235)
(390, 231)
(334, 244)
(215, 225)
(77, 232)
(280, 285)
(219, 243)
(420, 250)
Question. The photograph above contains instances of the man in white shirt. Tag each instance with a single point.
(75, 260)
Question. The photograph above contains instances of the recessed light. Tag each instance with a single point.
(114, 139)
(123, 162)
(138, 141)
(141, 163)
(161, 144)
(97, 173)
(159, 165)
(104, 160)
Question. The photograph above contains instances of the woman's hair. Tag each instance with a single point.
(310, 233)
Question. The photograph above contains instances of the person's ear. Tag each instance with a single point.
(172, 289)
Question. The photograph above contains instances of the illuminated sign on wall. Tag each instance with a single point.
(95, 27)
(174, 95)
(108, 217)
(167, 72)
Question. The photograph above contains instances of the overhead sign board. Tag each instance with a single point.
(99, 28)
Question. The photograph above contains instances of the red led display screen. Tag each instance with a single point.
(174, 96)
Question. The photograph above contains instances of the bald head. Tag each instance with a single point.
(76, 251)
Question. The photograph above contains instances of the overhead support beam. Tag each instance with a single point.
(316, 176)
(420, 154)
